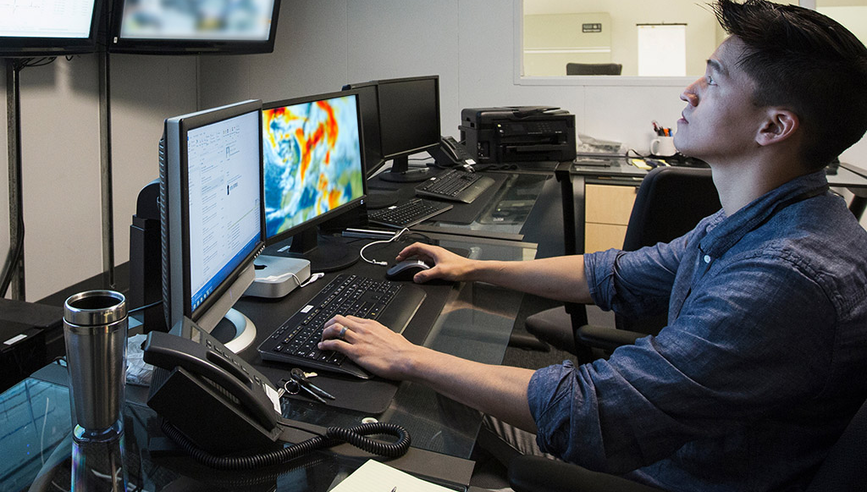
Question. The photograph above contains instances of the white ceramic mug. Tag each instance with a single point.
(662, 146)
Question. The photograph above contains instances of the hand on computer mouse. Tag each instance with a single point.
(444, 265)
(405, 270)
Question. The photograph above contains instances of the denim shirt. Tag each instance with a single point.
(760, 368)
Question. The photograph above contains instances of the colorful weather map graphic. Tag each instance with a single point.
(312, 158)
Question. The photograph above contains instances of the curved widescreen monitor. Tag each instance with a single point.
(184, 27)
(211, 212)
(48, 27)
(314, 170)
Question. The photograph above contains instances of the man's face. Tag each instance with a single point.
(720, 120)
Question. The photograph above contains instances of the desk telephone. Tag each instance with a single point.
(451, 153)
(214, 404)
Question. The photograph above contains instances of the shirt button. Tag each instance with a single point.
(707, 258)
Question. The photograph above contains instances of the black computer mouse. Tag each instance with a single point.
(405, 270)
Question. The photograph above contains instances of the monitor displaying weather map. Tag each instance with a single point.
(312, 159)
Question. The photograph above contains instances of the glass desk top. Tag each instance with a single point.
(508, 210)
(502, 212)
(475, 322)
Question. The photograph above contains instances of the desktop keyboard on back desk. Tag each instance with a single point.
(407, 214)
(294, 342)
(455, 185)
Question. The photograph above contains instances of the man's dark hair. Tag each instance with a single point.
(807, 63)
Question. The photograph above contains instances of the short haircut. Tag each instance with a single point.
(807, 63)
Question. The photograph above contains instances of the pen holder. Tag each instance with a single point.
(663, 146)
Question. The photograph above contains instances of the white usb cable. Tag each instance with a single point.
(384, 241)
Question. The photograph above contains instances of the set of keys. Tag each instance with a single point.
(299, 381)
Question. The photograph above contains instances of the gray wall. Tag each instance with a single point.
(470, 44)
(61, 158)
(321, 45)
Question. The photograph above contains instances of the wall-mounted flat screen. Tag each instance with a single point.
(193, 27)
(48, 27)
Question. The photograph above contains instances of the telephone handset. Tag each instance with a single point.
(214, 404)
(199, 376)
(213, 361)
(451, 153)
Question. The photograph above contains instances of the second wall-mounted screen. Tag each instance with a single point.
(193, 27)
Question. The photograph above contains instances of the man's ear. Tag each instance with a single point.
(779, 125)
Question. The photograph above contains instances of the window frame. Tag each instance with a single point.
(588, 80)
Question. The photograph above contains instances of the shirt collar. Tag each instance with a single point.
(723, 231)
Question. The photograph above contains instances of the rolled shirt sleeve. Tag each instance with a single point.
(635, 284)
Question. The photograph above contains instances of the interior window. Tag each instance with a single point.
(597, 34)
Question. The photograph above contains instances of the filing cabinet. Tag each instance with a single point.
(606, 215)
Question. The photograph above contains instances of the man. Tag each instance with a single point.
(762, 363)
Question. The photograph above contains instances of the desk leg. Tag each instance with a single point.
(573, 236)
(572, 202)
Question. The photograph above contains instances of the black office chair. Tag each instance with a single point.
(593, 68)
(670, 202)
(843, 469)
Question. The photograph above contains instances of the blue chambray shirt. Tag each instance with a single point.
(759, 370)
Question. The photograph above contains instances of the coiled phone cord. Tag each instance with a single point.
(355, 436)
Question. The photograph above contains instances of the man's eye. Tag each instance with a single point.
(710, 80)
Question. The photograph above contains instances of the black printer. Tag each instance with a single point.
(518, 133)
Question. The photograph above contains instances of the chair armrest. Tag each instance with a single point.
(606, 338)
(528, 342)
(537, 474)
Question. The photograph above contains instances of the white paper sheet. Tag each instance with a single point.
(374, 476)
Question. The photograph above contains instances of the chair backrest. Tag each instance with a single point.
(843, 469)
(593, 68)
(670, 202)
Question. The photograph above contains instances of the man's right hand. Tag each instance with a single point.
(446, 265)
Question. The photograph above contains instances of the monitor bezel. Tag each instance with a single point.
(370, 168)
(115, 43)
(179, 233)
(357, 202)
(32, 47)
(425, 148)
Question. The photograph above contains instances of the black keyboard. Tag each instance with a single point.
(459, 186)
(407, 214)
(294, 342)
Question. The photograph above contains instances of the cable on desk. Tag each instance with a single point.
(382, 241)
(145, 307)
(356, 436)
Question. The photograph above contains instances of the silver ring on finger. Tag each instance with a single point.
(342, 333)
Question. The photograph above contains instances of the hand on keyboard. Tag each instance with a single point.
(368, 343)
(295, 340)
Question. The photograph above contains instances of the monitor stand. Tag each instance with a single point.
(325, 253)
(235, 330)
(381, 199)
(400, 172)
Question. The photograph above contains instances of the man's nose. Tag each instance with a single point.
(689, 94)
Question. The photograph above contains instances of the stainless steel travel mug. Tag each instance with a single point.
(95, 331)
